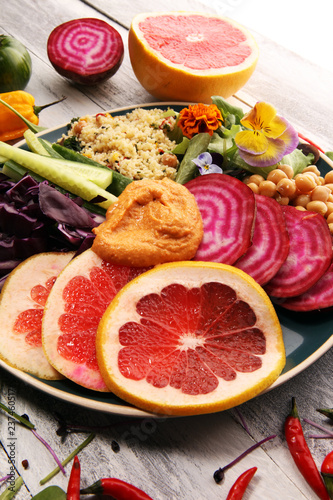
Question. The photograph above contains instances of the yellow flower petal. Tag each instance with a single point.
(259, 116)
(253, 142)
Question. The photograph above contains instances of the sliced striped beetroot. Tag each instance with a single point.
(227, 208)
(319, 296)
(270, 242)
(87, 51)
(310, 253)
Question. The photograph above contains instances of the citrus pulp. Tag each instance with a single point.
(72, 312)
(189, 56)
(22, 304)
(189, 338)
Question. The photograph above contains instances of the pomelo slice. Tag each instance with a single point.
(270, 242)
(310, 253)
(72, 312)
(22, 302)
(227, 208)
(190, 56)
(190, 338)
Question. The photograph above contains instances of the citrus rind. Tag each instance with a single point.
(15, 298)
(168, 400)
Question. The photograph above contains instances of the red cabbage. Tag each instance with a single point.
(37, 218)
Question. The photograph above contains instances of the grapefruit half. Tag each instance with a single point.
(190, 56)
(190, 338)
(72, 312)
(22, 302)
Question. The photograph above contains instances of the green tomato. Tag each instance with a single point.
(15, 64)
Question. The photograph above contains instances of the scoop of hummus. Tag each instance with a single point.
(152, 222)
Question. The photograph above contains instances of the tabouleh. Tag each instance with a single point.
(135, 144)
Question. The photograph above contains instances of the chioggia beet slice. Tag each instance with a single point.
(87, 51)
(270, 242)
(319, 296)
(310, 254)
(227, 208)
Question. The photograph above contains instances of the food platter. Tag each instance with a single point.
(307, 336)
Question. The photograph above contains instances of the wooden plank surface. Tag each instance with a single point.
(172, 458)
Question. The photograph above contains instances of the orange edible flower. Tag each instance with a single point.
(199, 118)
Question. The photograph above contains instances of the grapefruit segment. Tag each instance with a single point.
(72, 312)
(229, 353)
(190, 56)
(21, 311)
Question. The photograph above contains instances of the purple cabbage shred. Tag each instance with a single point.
(36, 217)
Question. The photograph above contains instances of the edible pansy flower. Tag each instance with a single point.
(205, 164)
(199, 118)
(268, 137)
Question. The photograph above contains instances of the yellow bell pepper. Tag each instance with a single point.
(11, 125)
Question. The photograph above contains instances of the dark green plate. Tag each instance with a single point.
(307, 336)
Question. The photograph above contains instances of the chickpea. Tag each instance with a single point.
(254, 187)
(321, 180)
(170, 160)
(267, 188)
(320, 193)
(305, 183)
(312, 168)
(256, 179)
(276, 175)
(317, 206)
(286, 187)
(329, 205)
(302, 200)
(329, 177)
(282, 200)
(329, 185)
(300, 208)
(330, 219)
(330, 227)
(314, 176)
(246, 179)
(288, 170)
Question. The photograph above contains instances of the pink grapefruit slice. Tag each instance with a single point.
(190, 56)
(189, 338)
(22, 302)
(72, 312)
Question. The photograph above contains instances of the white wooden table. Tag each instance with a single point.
(168, 458)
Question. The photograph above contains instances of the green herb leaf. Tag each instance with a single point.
(23, 420)
(231, 114)
(34, 128)
(50, 493)
(68, 459)
(11, 491)
(187, 169)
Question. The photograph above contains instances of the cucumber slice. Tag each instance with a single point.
(68, 176)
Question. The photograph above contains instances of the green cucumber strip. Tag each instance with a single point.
(119, 181)
(102, 178)
(16, 172)
(70, 154)
(33, 143)
(48, 146)
(54, 171)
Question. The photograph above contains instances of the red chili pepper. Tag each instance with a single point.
(327, 473)
(118, 489)
(237, 490)
(301, 454)
(73, 488)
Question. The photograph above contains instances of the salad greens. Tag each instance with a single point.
(222, 141)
